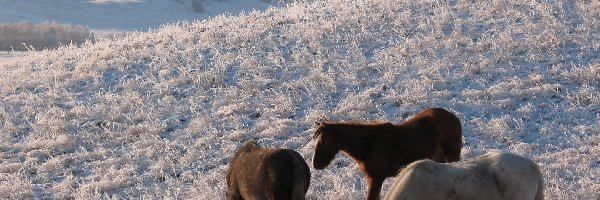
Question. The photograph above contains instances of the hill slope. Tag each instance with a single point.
(160, 114)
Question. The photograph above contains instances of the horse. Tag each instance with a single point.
(258, 173)
(495, 176)
(381, 149)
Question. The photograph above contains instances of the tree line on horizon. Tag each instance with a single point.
(24, 36)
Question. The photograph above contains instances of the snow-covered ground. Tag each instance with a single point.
(103, 16)
(160, 114)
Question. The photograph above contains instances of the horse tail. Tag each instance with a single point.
(539, 195)
(450, 130)
(454, 143)
(301, 174)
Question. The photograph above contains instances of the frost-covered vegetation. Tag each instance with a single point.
(160, 114)
(27, 36)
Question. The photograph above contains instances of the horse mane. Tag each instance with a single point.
(300, 177)
(320, 128)
(324, 126)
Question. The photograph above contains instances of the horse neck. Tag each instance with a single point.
(352, 139)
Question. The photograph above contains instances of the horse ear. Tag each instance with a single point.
(251, 143)
(321, 122)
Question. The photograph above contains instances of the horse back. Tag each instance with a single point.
(421, 180)
(287, 174)
(437, 117)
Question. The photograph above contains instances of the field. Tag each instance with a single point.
(159, 114)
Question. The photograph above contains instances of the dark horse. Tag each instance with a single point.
(257, 173)
(381, 149)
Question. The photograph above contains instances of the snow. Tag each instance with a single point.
(159, 114)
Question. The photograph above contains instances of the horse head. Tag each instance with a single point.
(325, 147)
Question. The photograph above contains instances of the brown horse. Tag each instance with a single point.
(381, 149)
(257, 173)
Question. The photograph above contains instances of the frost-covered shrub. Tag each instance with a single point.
(25, 36)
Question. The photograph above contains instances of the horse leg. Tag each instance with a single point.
(375, 184)
(233, 189)
(233, 195)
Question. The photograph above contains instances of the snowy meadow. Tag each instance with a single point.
(160, 114)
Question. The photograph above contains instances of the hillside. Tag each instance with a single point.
(160, 114)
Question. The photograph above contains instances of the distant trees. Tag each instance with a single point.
(284, 1)
(24, 35)
(197, 6)
(192, 5)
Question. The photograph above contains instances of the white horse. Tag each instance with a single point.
(489, 177)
